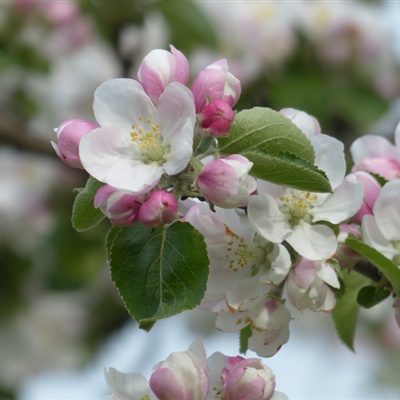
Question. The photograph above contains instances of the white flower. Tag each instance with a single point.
(307, 286)
(137, 142)
(280, 213)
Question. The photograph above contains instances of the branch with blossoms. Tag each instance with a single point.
(234, 213)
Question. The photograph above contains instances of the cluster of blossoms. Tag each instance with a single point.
(155, 149)
(191, 375)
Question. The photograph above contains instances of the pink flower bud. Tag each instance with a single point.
(122, 209)
(183, 375)
(247, 379)
(345, 256)
(372, 189)
(215, 82)
(69, 135)
(159, 68)
(217, 118)
(226, 182)
(159, 209)
(388, 168)
(308, 124)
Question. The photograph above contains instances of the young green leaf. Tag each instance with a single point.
(345, 314)
(84, 215)
(245, 335)
(159, 273)
(387, 267)
(286, 169)
(266, 130)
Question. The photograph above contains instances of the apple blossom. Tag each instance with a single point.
(215, 82)
(307, 285)
(137, 142)
(160, 208)
(372, 188)
(217, 118)
(279, 213)
(132, 386)
(226, 181)
(122, 209)
(183, 375)
(160, 68)
(247, 379)
(69, 135)
(308, 124)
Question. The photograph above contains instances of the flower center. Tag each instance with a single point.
(148, 138)
(298, 206)
(240, 254)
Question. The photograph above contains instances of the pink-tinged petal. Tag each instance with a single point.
(182, 70)
(267, 219)
(314, 242)
(167, 386)
(345, 201)
(329, 157)
(304, 274)
(231, 322)
(388, 168)
(373, 146)
(118, 103)
(387, 210)
(372, 189)
(218, 181)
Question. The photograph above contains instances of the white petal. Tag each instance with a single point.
(118, 103)
(177, 118)
(374, 237)
(314, 242)
(329, 157)
(267, 219)
(328, 274)
(267, 343)
(279, 396)
(387, 210)
(280, 265)
(133, 385)
(345, 201)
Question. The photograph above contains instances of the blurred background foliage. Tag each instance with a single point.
(335, 60)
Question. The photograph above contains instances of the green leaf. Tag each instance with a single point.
(288, 170)
(387, 267)
(84, 215)
(345, 314)
(281, 153)
(370, 296)
(245, 335)
(159, 273)
(266, 130)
